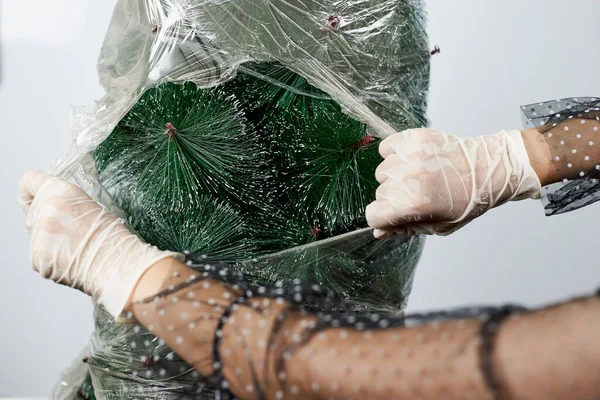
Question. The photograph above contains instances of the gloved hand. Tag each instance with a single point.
(78, 243)
(435, 183)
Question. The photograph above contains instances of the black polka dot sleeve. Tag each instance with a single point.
(571, 128)
(249, 342)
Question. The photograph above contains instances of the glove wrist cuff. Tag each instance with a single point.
(120, 285)
(528, 182)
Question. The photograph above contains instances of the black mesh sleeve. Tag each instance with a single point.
(571, 128)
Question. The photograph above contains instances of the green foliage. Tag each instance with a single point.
(252, 167)
(86, 391)
(181, 166)
(325, 160)
(179, 143)
(269, 90)
(331, 169)
(213, 228)
(275, 229)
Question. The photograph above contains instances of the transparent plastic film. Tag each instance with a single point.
(127, 360)
(71, 381)
(371, 57)
(248, 131)
(370, 275)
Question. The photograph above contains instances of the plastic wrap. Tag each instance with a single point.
(370, 59)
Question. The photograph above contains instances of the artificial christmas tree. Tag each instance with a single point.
(204, 171)
(260, 152)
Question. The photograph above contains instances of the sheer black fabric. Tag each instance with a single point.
(262, 342)
(571, 128)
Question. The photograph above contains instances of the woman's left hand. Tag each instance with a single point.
(435, 183)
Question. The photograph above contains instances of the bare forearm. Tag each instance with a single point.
(540, 157)
(552, 353)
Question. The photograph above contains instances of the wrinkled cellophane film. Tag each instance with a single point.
(371, 57)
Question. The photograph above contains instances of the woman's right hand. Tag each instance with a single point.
(435, 183)
(78, 243)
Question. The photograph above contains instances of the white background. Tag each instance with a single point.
(495, 57)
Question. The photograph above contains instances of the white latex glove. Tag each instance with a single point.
(78, 243)
(435, 183)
